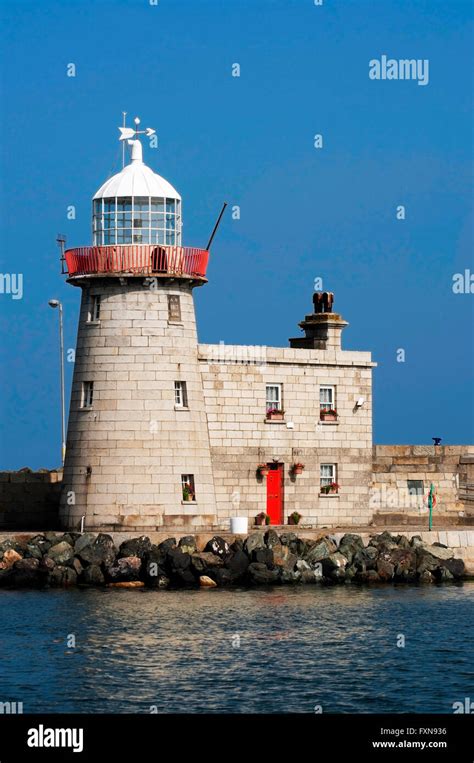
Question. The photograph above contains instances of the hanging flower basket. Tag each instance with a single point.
(297, 468)
(262, 470)
(329, 414)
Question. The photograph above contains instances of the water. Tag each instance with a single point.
(178, 650)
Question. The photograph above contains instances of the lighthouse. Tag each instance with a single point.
(138, 452)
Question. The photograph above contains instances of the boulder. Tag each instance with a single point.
(102, 551)
(237, 545)
(61, 553)
(177, 560)
(39, 542)
(385, 569)
(86, 539)
(288, 576)
(370, 576)
(287, 538)
(205, 561)
(167, 545)
(350, 544)
(426, 577)
(206, 582)
(188, 544)
(10, 556)
(365, 559)
(322, 549)
(271, 538)
(416, 540)
(27, 573)
(439, 551)
(92, 575)
(221, 576)
(8, 545)
(259, 574)
(456, 567)
(33, 551)
(135, 547)
(442, 574)
(334, 566)
(218, 546)
(237, 565)
(255, 540)
(301, 565)
(127, 584)
(298, 547)
(310, 576)
(62, 576)
(283, 557)
(402, 541)
(126, 569)
(263, 556)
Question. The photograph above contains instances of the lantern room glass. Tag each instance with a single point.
(136, 220)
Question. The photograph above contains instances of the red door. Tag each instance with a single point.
(275, 494)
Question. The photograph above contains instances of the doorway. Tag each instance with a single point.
(275, 493)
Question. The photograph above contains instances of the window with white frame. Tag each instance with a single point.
(327, 474)
(87, 394)
(274, 397)
(180, 394)
(94, 309)
(187, 486)
(415, 487)
(327, 398)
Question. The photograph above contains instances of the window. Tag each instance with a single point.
(187, 486)
(327, 474)
(137, 219)
(415, 487)
(180, 394)
(174, 308)
(274, 397)
(94, 309)
(87, 394)
(327, 398)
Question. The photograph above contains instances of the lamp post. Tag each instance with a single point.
(56, 303)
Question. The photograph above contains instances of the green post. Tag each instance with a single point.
(430, 506)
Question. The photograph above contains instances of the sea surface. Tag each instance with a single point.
(337, 649)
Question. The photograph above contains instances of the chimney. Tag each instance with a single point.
(322, 327)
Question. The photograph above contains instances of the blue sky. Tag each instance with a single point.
(305, 212)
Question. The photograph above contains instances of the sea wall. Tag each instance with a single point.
(29, 500)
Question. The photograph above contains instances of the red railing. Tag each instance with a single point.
(137, 259)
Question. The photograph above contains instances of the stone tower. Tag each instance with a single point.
(138, 454)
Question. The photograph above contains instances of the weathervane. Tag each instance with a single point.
(130, 133)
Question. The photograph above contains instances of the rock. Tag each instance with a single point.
(39, 542)
(9, 545)
(456, 567)
(237, 545)
(439, 551)
(416, 540)
(402, 541)
(370, 576)
(135, 547)
(76, 566)
(46, 565)
(87, 539)
(61, 553)
(298, 547)
(282, 557)
(426, 577)
(255, 540)
(301, 565)
(263, 556)
(349, 545)
(33, 551)
(238, 565)
(11, 556)
(365, 559)
(288, 576)
(442, 573)
(188, 544)
(221, 576)
(53, 537)
(70, 538)
(271, 538)
(127, 584)
(206, 582)
(260, 575)
(334, 566)
(287, 538)
(177, 560)
(154, 567)
(125, 570)
(26, 573)
(102, 551)
(385, 569)
(204, 561)
(92, 575)
(167, 545)
(62, 576)
(218, 546)
(310, 576)
(322, 549)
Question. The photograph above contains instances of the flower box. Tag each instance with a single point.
(332, 488)
(262, 519)
(328, 415)
(294, 519)
(274, 414)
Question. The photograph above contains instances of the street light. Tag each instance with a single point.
(56, 303)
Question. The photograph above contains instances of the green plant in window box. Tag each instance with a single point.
(188, 494)
(333, 487)
(328, 414)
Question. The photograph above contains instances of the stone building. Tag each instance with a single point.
(164, 431)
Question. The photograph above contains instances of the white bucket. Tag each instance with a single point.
(239, 525)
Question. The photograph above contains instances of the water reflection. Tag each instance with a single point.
(265, 650)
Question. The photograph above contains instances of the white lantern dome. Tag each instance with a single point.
(136, 206)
